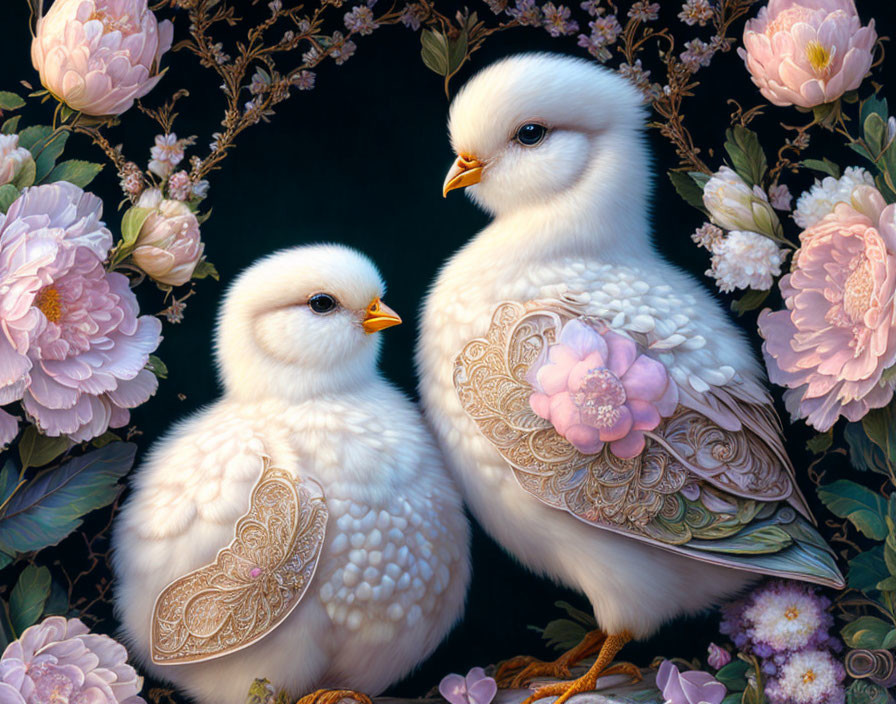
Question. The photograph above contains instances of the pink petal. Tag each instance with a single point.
(630, 446)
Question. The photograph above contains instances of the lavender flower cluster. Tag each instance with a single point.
(786, 626)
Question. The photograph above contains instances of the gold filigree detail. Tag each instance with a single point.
(642, 496)
(253, 584)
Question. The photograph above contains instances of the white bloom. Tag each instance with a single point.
(733, 205)
(784, 619)
(820, 200)
(745, 260)
(12, 158)
(166, 154)
(808, 677)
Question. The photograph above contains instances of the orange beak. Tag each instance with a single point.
(378, 317)
(465, 171)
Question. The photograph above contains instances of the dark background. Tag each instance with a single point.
(360, 160)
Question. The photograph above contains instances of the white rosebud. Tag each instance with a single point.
(733, 205)
(13, 159)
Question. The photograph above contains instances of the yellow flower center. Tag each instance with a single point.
(819, 56)
(48, 303)
(808, 677)
(858, 291)
(792, 613)
(121, 24)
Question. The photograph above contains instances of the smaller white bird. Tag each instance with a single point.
(303, 528)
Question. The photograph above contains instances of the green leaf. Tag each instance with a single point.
(751, 300)
(51, 506)
(875, 129)
(687, 188)
(30, 136)
(867, 569)
(36, 450)
(735, 698)
(864, 508)
(889, 641)
(434, 51)
(873, 105)
(734, 675)
(821, 442)
(10, 101)
(80, 173)
(8, 193)
(457, 52)
(157, 367)
(563, 634)
(9, 479)
(866, 692)
(880, 427)
(10, 125)
(205, 268)
(131, 223)
(26, 603)
(57, 603)
(746, 154)
(865, 632)
(106, 438)
(46, 152)
(864, 454)
(825, 166)
(887, 585)
(577, 614)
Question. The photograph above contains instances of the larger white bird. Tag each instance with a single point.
(652, 508)
(303, 528)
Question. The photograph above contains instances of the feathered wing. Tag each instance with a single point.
(713, 482)
(253, 584)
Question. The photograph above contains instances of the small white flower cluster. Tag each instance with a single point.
(820, 200)
(745, 260)
(810, 676)
(785, 619)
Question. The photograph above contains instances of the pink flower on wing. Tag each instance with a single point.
(60, 660)
(835, 337)
(99, 55)
(475, 688)
(807, 52)
(596, 387)
(690, 687)
(72, 346)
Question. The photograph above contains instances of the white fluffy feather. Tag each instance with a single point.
(303, 390)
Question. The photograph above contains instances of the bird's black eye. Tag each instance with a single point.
(322, 303)
(531, 134)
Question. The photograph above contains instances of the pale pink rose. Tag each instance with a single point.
(807, 52)
(690, 687)
(596, 387)
(168, 246)
(60, 660)
(97, 56)
(836, 336)
(72, 346)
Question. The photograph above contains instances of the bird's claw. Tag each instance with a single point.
(334, 696)
(586, 683)
(517, 672)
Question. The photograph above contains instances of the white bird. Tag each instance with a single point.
(553, 148)
(303, 528)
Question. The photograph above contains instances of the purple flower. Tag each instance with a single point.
(61, 661)
(779, 617)
(807, 677)
(718, 657)
(556, 20)
(691, 687)
(526, 12)
(596, 387)
(412, 14)
(475, 688)
(360, 20)
(73, 347)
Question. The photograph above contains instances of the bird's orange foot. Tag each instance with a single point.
(334, 696)
(517, 672)
(601, 668)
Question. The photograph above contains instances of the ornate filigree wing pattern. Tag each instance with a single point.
(693, 480)
(253, 584)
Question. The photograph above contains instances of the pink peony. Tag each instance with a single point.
(807, 52)
(97, 56)
(835, 338)
(72, 346)
(595, 387)
(168, 246)
(61, 661)
(691, 687)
